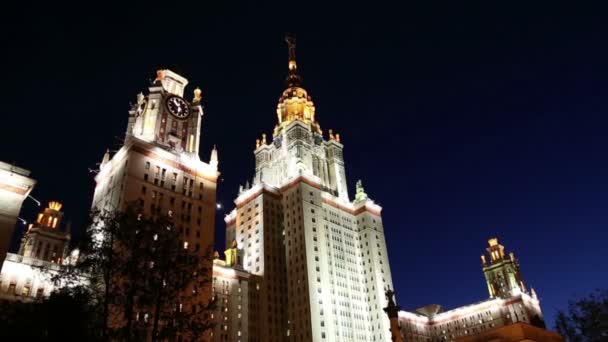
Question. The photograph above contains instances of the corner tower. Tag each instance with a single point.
(502, 272)
(44, 239)
(317, 258)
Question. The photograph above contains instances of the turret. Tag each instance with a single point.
(295, 104)
(502, 272)
(44, 239)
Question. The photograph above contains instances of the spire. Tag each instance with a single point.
(293, 78)
(295, 104)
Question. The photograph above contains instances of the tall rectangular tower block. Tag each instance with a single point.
(159, 168)
(318, 259)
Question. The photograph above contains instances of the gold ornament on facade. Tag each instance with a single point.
(295, 104)
(160, 75)
(55, 205)
(197, 95)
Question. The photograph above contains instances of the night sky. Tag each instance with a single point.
(463, 123)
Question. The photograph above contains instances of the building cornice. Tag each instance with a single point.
(182, 162)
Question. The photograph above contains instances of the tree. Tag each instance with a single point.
(142, 278)
(586, 319)
(61, 317)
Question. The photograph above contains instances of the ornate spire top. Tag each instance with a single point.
(294, 103)
(293, 79)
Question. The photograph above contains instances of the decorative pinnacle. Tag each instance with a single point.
(213, 158)
(160, 74)
(293, 79)
(55, 205)
(197, 95)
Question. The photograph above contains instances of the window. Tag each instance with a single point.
(147, 166)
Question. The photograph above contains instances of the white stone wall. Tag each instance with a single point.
(469, 320)
(26, 278)
(231, 294)
(297, 151)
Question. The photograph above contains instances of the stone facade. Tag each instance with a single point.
(44, 249)
(159, 168)
(512, 304)
(232, 293)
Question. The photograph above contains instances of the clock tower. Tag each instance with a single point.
(159, 167)
(165, 117)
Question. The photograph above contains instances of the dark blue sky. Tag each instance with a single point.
(463, 123)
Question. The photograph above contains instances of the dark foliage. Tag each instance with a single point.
(142, 281)
(61, 317)
(586, 319)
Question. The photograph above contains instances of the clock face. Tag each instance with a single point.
(178, 107)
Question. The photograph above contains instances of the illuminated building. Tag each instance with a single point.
(44, 248)
(159, 169)
(317, 259)
(43, 239)
(15, 186)
(233, 299)
(510, 313)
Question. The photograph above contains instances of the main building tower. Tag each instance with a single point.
(159, 166)
(317, 258)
